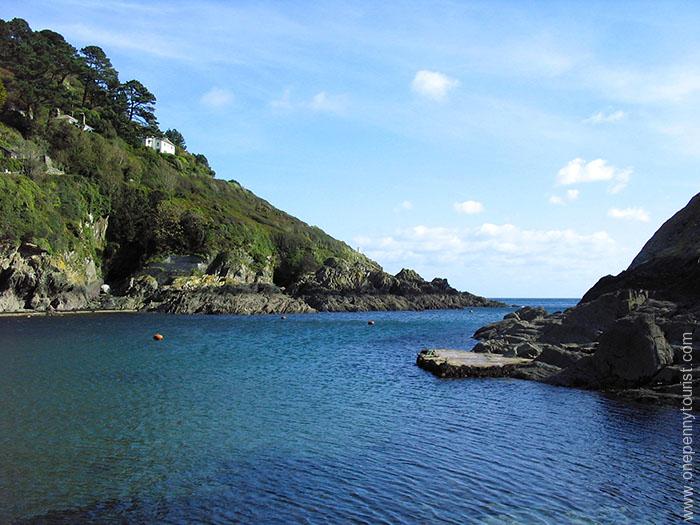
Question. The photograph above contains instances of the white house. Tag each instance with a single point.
(160, 144)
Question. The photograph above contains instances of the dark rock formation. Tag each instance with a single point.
(340, 286)
(668, 264)
(628, 333)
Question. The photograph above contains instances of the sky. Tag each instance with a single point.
(520, 149)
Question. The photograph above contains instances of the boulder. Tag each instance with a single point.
(631, 352)
(530, 313)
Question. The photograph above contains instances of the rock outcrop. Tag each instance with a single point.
(229, 282)
(340, 286)
(33, 279)
(630, 334)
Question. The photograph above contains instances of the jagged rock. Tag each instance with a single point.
(341, 286)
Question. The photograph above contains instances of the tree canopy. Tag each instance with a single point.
(43, 72)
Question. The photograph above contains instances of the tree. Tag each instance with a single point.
(138, 103)
(202, 160)
(98, 75)
(176, 138)
(39, 61)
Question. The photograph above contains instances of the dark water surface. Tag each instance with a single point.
(317, 418)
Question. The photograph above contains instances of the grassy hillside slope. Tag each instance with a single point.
(56, 178)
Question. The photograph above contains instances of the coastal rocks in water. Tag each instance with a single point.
(343, 286)
(629, 333)
(630, 354)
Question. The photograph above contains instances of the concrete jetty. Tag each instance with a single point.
(447, 363)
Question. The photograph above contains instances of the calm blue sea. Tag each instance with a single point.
(318, 418)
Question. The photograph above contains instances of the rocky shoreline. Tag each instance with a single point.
(631, 335)
(32, 280)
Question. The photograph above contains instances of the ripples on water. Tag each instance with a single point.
(316, 418)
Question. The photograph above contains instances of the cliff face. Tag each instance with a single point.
(667, 265)
(631, 333)
(31, 278)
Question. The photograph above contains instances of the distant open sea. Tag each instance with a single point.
(318, 418)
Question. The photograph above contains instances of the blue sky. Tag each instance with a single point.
(516, 148)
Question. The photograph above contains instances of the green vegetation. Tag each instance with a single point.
(157, 204)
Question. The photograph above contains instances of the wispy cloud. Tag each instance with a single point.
(217, 98)
(629, 214)
(433, 84)
(321, 102)
(601, 117)
(149, 43)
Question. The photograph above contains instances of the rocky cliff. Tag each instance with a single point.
(32, 279)
(631, 334)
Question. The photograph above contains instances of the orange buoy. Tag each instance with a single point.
(371, 323)
(157, 337)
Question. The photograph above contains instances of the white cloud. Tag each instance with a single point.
(572, 195)
(217, 98)
(432, 84)
(578, 171)
(602, 117)
(468, 207)
(630, 214)
(499, 245)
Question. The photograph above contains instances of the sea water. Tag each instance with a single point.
(315, 418)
